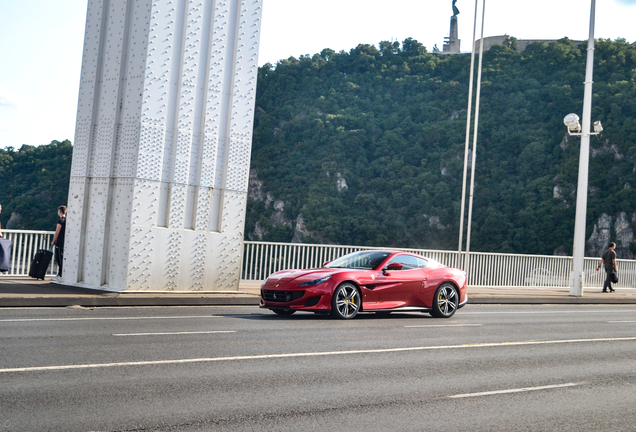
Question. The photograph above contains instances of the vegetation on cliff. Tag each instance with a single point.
(34, 184)
(368, 145)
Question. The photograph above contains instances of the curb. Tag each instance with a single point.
(486, 299)
(113, 301)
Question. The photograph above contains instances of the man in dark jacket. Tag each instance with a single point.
(609, 262)
(58, 240)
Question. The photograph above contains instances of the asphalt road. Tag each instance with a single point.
(489, 368)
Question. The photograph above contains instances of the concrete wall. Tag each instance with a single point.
(162, 147)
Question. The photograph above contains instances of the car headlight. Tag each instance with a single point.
(314, 282)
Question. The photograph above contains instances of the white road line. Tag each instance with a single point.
(310, 354)
(444, 325)
(518, 390)
(107, 318)
(547, 312)
(175, 333)
(621, 321)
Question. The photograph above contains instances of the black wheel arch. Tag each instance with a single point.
(452, 282)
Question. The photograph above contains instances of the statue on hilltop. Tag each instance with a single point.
(455, 10)
(451, 42)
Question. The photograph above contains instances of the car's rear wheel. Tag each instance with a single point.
(346, 301)
(445, 301)
(283, 312)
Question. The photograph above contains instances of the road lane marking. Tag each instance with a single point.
(108, 318)
(310, 354)
(547, 312)
(175, 333)
(444, 325)
(621, 321)
(517, 390)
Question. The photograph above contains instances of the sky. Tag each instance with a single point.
(41, 43)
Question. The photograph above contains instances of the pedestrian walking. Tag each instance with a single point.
(608, 260)
(5, 252)
(58, 241)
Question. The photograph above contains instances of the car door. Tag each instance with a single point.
(428, 277)
(398, 288)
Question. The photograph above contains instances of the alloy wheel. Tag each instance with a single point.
(445, 301)
(345, 302)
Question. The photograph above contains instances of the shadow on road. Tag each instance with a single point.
(308, 316)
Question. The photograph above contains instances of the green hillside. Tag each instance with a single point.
(366, 147)
(34, 184)
(389, 122)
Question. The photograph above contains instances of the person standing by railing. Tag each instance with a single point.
(5, 252)
(609, 261)
(58, 241)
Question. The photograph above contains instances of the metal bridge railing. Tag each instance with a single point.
(25, 246)
(260, 259)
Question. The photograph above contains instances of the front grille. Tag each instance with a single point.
(281, 296)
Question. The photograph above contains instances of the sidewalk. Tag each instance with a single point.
(27, 292)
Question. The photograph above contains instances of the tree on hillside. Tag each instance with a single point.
(36, 181)
(390, 123)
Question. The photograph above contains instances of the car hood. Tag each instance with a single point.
(300, 276)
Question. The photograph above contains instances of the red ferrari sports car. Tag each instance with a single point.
(380, 281)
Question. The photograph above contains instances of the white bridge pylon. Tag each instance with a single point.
(163, 138)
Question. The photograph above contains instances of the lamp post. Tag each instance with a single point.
(572, 123)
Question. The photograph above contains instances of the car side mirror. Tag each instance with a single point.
(392, 266)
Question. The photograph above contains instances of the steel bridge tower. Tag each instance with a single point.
(163, 137)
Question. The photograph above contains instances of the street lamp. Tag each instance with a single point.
(572, 123)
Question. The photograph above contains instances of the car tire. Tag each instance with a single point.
(283, 312)
(445, 301)
(346, 301)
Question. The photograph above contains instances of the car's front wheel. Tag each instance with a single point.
(445, 301)
(346, 301)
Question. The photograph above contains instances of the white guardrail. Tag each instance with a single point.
(25, 246)
(260, 259)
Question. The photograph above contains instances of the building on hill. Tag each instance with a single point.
(516, 44)
(452, 42)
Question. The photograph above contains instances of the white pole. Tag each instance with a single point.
(468, 118)
(472, 168)
(578, 252)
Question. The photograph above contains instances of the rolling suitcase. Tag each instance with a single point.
(40, 263)
(5, 255)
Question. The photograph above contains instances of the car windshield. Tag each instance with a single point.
(368, 260)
